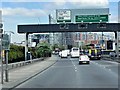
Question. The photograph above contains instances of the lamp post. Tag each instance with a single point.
(6, 53)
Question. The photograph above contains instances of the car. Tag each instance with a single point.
(53, 52)
(56, 52)
(84, 59)
(64, 53)
(68, 52)
(60, 53)
(113, 54)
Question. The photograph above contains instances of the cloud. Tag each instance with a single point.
(23, 12)
(77, 3)
(53, 5)
(113, 19)
(88, 3)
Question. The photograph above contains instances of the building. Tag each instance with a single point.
(34, 39)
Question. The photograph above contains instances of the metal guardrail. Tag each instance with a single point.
(22, 63)
(107, 57)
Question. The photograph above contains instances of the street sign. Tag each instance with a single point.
(91, 18)
(63, 15)
(5, 42)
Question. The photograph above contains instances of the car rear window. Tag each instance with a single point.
(75, 49)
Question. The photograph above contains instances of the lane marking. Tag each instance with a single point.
(74, 65)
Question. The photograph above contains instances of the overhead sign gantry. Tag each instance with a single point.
(69, 27)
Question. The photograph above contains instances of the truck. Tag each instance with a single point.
(94, 54)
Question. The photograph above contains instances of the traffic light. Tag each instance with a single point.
(110, 44)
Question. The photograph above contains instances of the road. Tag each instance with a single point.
(67, 73)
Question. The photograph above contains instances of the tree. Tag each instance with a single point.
(43, 49)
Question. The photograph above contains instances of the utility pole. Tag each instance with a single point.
(117, 43)
(1, 30)
(26, 45)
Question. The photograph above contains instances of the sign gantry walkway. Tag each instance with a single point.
(69, 27)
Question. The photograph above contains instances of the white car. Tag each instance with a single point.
(84, 59)
(64, 53)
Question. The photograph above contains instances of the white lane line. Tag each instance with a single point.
(74, 65)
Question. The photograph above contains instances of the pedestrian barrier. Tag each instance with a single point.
(23, 63)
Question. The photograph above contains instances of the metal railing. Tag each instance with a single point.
(22, 63)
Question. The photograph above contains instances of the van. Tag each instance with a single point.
(75, 52)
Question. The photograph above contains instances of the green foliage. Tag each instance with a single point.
(61, 47)
(85, 47)
(16, 53)
(43, 50)
(33, 52)
(55, 46)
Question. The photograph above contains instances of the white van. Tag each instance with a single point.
(75, 52)
(64, 53)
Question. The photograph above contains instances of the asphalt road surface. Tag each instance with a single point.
(67, 73)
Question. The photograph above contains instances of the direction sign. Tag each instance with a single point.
(63, 15)
(5, 42)
(91, 18)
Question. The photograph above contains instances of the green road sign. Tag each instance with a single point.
(91, 18)
(5, 42)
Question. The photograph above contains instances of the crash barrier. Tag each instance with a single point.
(23, 63)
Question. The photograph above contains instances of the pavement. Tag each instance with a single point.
(24, 73)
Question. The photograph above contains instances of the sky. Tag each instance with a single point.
(15, 12)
